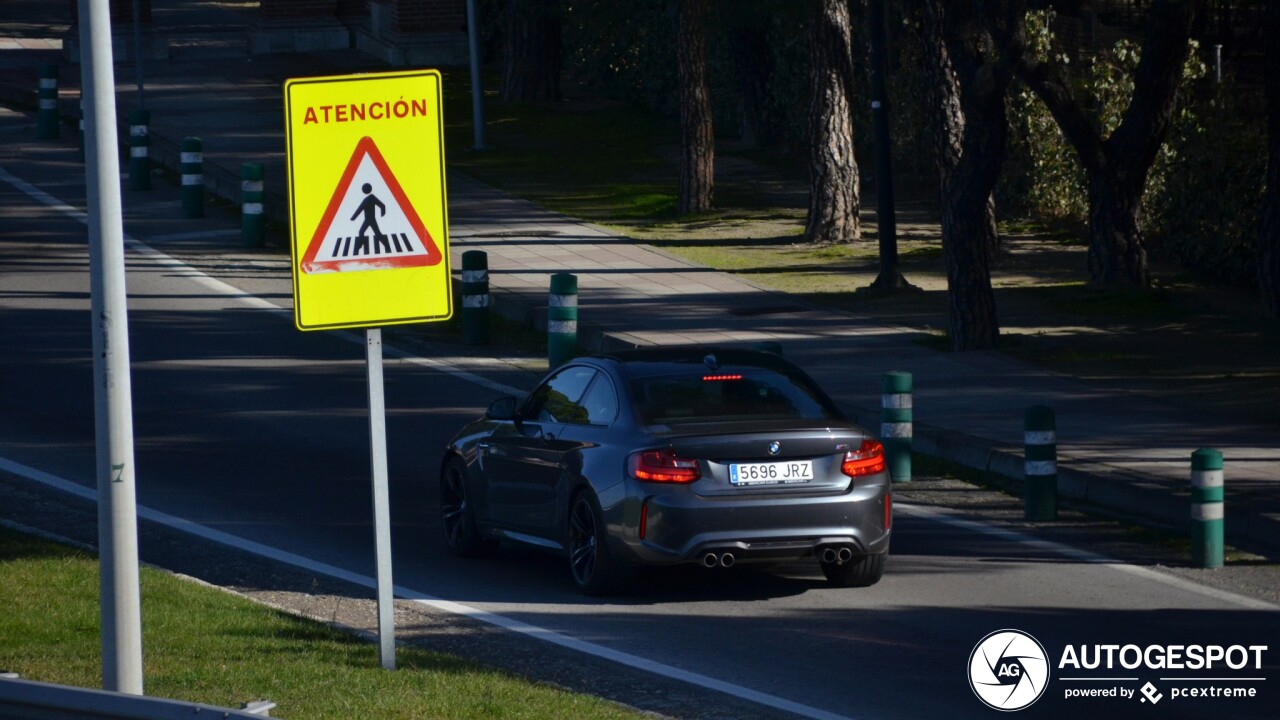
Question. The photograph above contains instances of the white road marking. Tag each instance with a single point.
(421, 598)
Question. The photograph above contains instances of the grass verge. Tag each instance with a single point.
(204, 645)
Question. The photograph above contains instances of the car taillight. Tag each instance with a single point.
(662, 466)
(868, 459)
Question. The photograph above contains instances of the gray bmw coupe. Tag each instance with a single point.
(662, 456)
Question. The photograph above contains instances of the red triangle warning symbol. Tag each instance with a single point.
(369, 223)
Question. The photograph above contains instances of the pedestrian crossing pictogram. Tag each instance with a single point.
(369, 224)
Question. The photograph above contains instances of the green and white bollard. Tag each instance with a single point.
(896, 424)
(192, 168)
(253, 224)
(562, 319)
(475, 297)
(140, 150)
(1207, 508)
(47, 115)
(1040, 468)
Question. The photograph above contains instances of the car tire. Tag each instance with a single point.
(594, 569)
(861, 571)
(457, 517)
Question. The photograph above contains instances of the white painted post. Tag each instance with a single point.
(381, 505)
(113, 405)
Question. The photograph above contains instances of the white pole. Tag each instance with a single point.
(381, 509)
(113, 410)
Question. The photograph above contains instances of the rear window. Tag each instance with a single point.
(726, 395)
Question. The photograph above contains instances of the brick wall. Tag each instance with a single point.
(427, 16)
(298, 9)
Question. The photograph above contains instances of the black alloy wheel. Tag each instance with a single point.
(456, 515)
(594, 570)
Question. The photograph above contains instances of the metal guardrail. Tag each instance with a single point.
(27, 700)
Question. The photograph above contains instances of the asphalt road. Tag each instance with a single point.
(247, 426)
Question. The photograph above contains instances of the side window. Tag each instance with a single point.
(556, 400)
(600, 402)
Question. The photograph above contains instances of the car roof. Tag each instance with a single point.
(652, 360)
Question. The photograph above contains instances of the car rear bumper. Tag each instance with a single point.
(680, 527)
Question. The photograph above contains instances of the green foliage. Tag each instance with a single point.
(1203, 194)
(623, 51)
(1042, 176)
(914, 159)
(1205, 203)
(789, 87)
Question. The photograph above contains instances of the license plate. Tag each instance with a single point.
(771, 473)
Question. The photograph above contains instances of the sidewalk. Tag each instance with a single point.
(1116, 451)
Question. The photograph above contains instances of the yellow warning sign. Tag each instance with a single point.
(368, 217)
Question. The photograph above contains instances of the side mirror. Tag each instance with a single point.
(504, 408)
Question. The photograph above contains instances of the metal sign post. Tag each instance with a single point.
(113, 409)
(381, 506)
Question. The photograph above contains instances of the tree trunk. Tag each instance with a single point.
(1117, 253)
(697, 138)
(531, 61)
(947, 121)
(833, 170)
(972, 323)
(1120, 163)
(1269, 241)
(984, 45)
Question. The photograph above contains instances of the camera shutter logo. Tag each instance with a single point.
(1008, 670)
